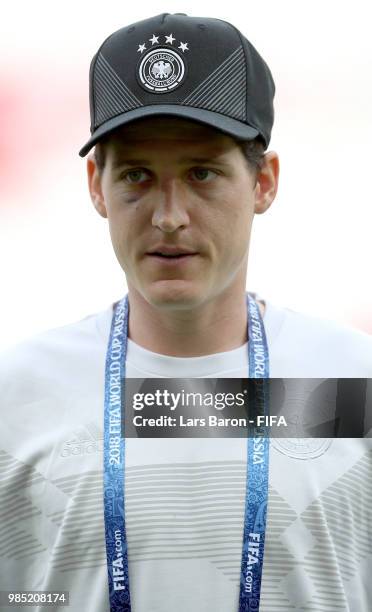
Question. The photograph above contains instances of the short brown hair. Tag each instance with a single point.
(253, 151)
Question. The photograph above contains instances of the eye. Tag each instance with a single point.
(203, 175)
(133, 177)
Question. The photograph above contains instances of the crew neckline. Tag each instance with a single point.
(223, 362)
(202, 366)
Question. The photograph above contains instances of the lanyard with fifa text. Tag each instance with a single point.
(114, 465)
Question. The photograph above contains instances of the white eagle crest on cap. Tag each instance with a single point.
(162, 68)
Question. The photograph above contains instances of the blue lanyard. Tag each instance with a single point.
(114, 465)
(257, 469)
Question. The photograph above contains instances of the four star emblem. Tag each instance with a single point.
(168, 39)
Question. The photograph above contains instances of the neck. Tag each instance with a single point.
(216, 326)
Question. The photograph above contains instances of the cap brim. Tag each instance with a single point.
(229, 126)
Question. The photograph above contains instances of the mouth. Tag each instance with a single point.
(171, 256)
(169, 259)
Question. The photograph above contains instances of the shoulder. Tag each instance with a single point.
(312, 346)
(32, 368)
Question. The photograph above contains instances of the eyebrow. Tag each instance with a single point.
(118, 163)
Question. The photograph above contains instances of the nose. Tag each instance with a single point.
(170, 210)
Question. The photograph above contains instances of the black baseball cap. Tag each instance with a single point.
(197, 68)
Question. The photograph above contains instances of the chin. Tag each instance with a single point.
(174, 294)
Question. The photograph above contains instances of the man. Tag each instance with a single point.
(181, 111)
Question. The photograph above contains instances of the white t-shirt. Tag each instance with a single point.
(184, 497)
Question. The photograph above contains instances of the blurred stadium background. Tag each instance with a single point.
(310, 252)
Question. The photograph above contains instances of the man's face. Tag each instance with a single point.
(180, 201)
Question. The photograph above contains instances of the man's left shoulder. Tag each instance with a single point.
(335, 349)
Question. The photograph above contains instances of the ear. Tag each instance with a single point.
(95, 186)
(267, 182)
